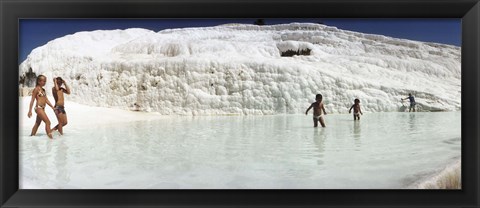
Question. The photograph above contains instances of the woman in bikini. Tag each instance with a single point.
(57, 92)
(40, 96)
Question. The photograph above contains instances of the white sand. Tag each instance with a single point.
(82, 115)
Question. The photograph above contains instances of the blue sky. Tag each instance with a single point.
(37, 32)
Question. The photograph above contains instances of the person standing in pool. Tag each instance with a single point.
(58, 92)
(356, 110)
(412, 102)
(40, 96)
(317, 111)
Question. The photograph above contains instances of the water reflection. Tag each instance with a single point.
(357, 135)
(63, 174)
(412, 122)
(41, 159)
(319, 137)
(356, 129)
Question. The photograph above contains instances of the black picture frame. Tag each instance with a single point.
(13, 10)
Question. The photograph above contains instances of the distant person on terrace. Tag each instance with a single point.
(412, 102)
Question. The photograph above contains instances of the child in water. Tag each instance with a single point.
(317, 111)
(40, 96)
(356, 110)
(58, 93)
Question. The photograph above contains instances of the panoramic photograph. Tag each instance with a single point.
(240, 103)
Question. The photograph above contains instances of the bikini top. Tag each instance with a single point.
(41, 93)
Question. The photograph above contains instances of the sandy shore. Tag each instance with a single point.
(82, 115)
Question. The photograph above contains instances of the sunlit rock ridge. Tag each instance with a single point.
(249, 69)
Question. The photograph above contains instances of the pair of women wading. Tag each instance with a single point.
(40, 96)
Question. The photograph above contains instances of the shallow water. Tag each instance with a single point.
(383, 150)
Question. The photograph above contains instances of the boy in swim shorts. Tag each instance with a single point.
(317, 111)
(356, 110)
